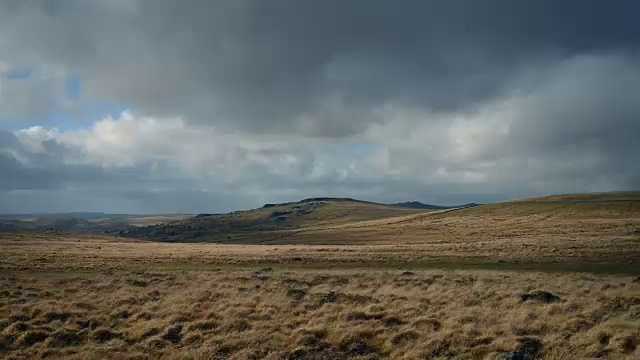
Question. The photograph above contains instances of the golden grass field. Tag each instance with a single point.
(434, 285)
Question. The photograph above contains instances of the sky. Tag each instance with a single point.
(163, 106)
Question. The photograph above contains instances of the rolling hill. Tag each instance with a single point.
(270, 221)
(419, 205)
(578, 225)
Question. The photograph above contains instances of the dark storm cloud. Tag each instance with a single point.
(421, 82)
(23, 168)
(311, 67)
(16, 176)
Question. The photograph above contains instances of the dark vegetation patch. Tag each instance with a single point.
(104, 335)
(173, 334)
(540, 296)
(405, 337)
(65, 338)
(527, 349)
(296, 293)
(32, 337)
(363, 316)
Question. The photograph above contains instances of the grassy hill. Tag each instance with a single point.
(624, 196)
(271, 221)
(554, 229)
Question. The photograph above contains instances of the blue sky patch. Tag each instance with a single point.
(72, 87)
(18, 74)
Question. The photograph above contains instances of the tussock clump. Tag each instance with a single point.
(103, 335)
(359, 299)
(441, 347)
(205, 325)
(19, 316)
(157, 342)
(362, 316)
(64, 338)
(32, 337)
(121, 314)
(91, 323)
(328, 298)
(6, 341)
(527, 349)
(627, 342)
(311, 337)
(358, 347)
(392, 321)
(192, 339)
(137, 282)
(83, 305)
(405, 337)
(541, 296)
(154, 295)
(16, 327)
(144, 316)
(152, 331)
(296, 293)
(173, 333)
(428, 323)
(237, 326)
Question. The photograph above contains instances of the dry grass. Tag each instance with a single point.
(81, 296)
(279, 314)
(29, 251)
(386, 288)
(514, 231)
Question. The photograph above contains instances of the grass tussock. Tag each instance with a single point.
(233, 314)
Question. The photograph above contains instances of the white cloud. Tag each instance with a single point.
(534, 139)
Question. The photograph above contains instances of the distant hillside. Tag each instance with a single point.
(611, 218)
(419, 205)
(514, 228)
(268, 222)
(82, 221)
(597, 197)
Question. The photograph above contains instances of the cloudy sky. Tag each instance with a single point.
(160, 106)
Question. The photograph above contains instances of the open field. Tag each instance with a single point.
(456, 283)
(235, 313)
(94, 296)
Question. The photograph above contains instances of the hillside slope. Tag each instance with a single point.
(270, 221)
(555, 229)
(624, 196)
(517, 231)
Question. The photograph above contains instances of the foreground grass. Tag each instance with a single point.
(313, 314)
(93, 297)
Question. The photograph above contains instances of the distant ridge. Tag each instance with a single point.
(419, 205)
(315, 199)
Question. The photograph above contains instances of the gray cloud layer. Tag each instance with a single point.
(455, 99)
